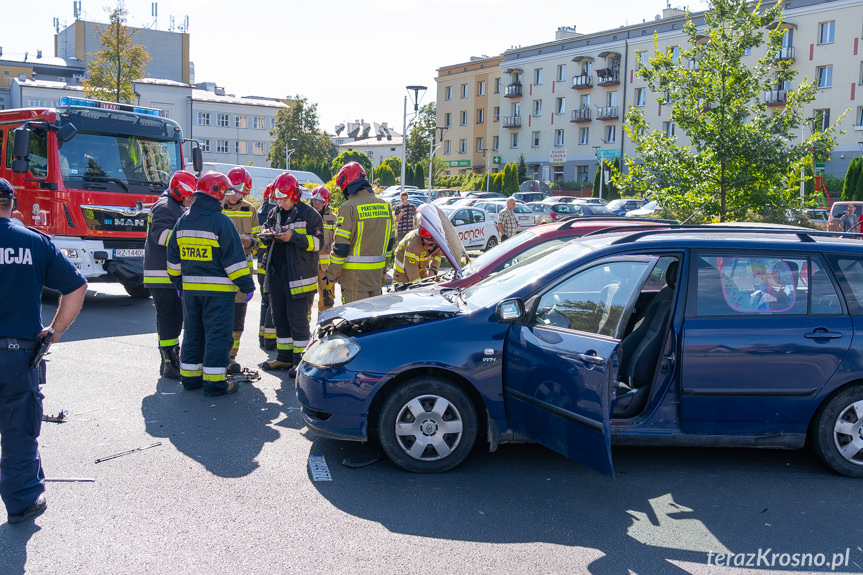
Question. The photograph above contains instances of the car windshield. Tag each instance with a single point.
(502, 285)
(494, 253)
(616, 204)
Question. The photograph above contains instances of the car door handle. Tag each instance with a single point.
(822, 334)
(591, 359)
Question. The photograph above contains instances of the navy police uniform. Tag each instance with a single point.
(207, 262)
(28, 262)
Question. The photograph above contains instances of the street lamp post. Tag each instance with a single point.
(484, 152)
(442, 130)
(371, 156)
(288, 153)
(416, 91)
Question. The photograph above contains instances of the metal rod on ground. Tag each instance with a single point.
(70, 479)
(121, 454)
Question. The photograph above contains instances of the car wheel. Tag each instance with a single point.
(138, 292)
(427, 425)
(492, 241)
(839, 432)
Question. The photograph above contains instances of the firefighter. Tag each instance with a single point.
(364, 237)
(207, 262)
(169, 307)
(245, 219)
(266, 328)
(292, 265)
(416, 257)
(321, 202)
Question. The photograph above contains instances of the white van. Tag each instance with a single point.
(261, 177)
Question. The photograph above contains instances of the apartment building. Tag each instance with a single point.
(468, 105)
(562, 104)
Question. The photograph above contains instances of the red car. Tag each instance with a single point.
(535, 240)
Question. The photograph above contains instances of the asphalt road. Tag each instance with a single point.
(228, 489)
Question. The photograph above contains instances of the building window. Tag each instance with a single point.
(668, 128)
(260, 123)
(747, 51)
(223, 120)
(258, 150)
(240, 148)
(513, 142)
(447, 147)
(560, 106)
(581, 173)
(480, 88)
(583, 136)
(674, 51)
(448, 93)
(537, 107)
(516, 109)
(464, 90)
(222, 146)
(822, 119)
(586, 67)
(464, 118)
(462, 146)
(496, 114)
(558, 137)
(585, 102)
(203, 118)
(640, 97)
(240, 122)
(641, 59)
(561, 73)
(497, 85)
(825, 76)
(859, 122)
(537, 77)
(495, 143)
(480, 145)
(205, 145)
(536, 138)
(480, 116)
(610, 134)
(826, 31)
(447, 119)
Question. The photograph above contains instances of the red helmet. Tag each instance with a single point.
(214, 184)
(425, 234)
(268, 191)
(321, 193)
(286, 186)
(183, 185)
(241, 180)
(349, 173)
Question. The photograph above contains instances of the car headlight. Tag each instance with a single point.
(331, 351)
(69, 252)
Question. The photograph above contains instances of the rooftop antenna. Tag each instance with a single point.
(76, 8)
(154, 12)
(56, 25)
(185, 26)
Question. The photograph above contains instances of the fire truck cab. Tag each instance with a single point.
(86, 174)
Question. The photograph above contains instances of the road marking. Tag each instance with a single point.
(318, 466)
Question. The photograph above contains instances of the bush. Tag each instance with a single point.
(351, 156)
(385, 175)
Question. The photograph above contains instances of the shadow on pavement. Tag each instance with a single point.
(106, 315)
(13, 545)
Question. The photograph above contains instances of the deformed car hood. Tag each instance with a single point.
(386, 311)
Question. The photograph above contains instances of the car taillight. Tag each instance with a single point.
(554, 216)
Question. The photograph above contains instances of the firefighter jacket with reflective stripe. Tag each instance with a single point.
(413, 260)
(363, 244)
(245, 219)
(263, 212)
(329, 233)
(295, 261)
(160, 222)
(205, 255)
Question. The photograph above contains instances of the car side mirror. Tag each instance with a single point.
(197, 159)
(21, 149)
(66, 132)
(510, 310)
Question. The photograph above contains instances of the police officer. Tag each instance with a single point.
(242, 213)
(169, 307)
(266, 327)
(321, 202)
(292, 270)
(416, 257)
(28, 262)
(207, 262)
(364, 237)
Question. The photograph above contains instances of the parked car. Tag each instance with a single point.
(817, 217)
(447, 201)
(435, 194)
(836, 211)
(560, 199)
(417, 201)
(523, 214)
(544, 213)
(623, 205)
(716, 336)
(590, 200)
(485, 195)
(475, 230)
(647, 210)
(527, 197)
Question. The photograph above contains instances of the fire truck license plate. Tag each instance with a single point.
(128, 253)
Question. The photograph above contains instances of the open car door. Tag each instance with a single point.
(561, 362)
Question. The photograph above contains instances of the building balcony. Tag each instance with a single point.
(607, 113)
(785, 53)
(582, 115)
(512, 121)
(512, 91)
(775, 97)
(582, 82)
(607, 77)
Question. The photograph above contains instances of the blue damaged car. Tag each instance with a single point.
(685, 336)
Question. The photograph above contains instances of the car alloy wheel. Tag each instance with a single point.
(427, 425)
(839, 432)
(492, 241)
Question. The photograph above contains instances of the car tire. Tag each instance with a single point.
(492, 241)
(138, 292)
(839, 432)
(427, 425)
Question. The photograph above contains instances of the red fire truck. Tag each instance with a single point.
(86, 173)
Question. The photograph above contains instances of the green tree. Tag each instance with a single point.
(510, 179)
(522, 169)
(114, 68)
(496, 182)
(741, 154)
(419, 176)
(395, 164)
(351, 156)
(858, 184)
(409, 175)
(385, 175)
(324, 171)
(849, 187)
(421, 131)
(297, 128)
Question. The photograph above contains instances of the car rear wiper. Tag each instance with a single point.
(107, 179)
